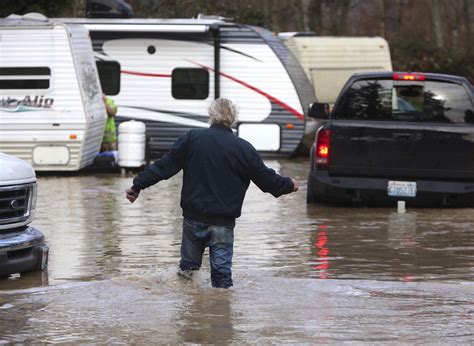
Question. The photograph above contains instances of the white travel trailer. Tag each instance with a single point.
(165, 72)
(329, 61)
(51, 109)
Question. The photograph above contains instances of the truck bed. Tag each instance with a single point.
(403, 150)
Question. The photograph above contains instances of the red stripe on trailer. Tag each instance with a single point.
(261, 92)
(146, 74)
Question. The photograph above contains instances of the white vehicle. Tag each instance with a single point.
(329, 61)
(51, 109)
(165, 72)
(22, 247)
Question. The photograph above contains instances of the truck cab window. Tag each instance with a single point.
(190, 83)
(366, 99)
(384, 99)
(447, 102)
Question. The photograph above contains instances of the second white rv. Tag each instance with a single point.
(51, 109)
(165, 72)
(329, 61)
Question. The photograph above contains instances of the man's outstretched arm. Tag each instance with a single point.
(270, 181)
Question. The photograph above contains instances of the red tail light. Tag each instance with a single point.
(408, 76)
(322, 152)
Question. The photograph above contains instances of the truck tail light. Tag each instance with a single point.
(321, 154)
(409, 76)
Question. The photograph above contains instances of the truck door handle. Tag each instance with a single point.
(401, 135)
(407, 136)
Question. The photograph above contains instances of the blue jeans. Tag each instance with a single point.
(220, 240)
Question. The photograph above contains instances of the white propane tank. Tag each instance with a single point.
(131, 144)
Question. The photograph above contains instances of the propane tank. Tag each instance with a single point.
(131, 144)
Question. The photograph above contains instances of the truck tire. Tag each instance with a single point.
(311, 196)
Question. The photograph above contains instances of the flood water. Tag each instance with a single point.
(302, 273)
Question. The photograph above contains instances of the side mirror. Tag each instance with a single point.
(318, 110)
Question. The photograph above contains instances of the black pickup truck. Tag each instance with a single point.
(395, 136)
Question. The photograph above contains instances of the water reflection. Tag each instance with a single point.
(402, 230)
(105, 215)
(322, 254)
(208, 317)
(382, 244)
(402, 236)
(26, 280)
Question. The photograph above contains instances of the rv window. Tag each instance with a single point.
(190, 83)
(109, 74)
(25, 77)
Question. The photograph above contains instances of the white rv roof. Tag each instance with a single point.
(101, 24)
(144, 21)
(175, 25)
(147, 27)
(338, 39)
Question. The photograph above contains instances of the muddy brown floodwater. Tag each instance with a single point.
(302, 274)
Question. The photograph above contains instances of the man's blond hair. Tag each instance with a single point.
(222, 111)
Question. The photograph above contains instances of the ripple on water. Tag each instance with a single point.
(260, 309)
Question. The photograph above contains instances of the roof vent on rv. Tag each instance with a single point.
(108, 9)
(35, 16)
(213, 17)
(29, 16)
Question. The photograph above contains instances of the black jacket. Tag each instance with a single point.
(218, 167)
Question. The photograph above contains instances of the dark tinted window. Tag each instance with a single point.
(25, 71)
(190, 83)
(25, 77)
(109, 74)
(405, 101)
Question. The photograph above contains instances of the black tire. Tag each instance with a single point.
(311, 196)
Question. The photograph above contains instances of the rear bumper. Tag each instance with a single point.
(373, 191)
(22, 251)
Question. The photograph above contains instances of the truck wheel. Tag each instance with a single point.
(311, 196)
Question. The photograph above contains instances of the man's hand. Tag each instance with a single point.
(296, 185)
(131, 195)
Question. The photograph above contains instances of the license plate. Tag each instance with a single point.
(401, 188)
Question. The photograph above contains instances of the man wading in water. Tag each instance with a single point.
(217, 169)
